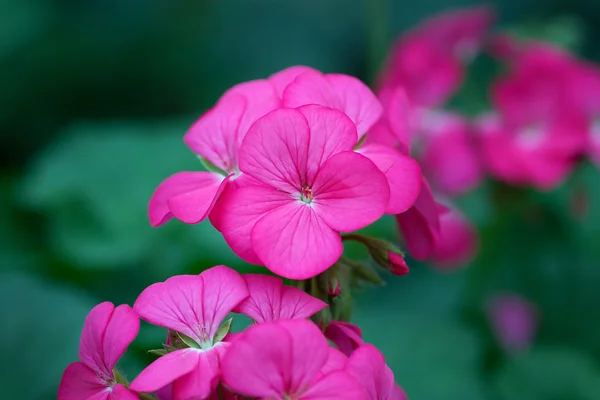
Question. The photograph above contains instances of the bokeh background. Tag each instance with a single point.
(95, 97)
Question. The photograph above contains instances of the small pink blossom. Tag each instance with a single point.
(367, 365)
(346, 336)
(271, 300)
(107, 332)
(306, 185)
(195, 306)
(283, 360)
(457, 242)
(514, 321)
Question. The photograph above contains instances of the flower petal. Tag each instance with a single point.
(368, 367)
(420, 225)
(203, 379)
(239, 210)
(275, 150)
(402, 172)
(194, 305)
(346, 336)
(271, 359)
(120, 392)
(294, 242)
(331, 132)
(165, 369)
(79, 382)
(191, 193)
(91, 344)
(122, 328)
(282, 79)
(457, 243)
(271, 300)
(350, 192)
(215, 135)
(337, 385)
(336, 360)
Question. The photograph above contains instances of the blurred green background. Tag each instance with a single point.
(95, 97)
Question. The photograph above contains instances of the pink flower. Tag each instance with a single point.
(306, 185)
(457, 242)
(447, 152)
(271, 300)
(282, 360)
(428, 60)
(420, 225)
(368, 367)
(346, 336)
(107, 332)
(514, 321)
(194, 306)
(216, 137)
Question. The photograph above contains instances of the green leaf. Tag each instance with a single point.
(41, 326)
(158, 352)
(549, 374)
(223, 330)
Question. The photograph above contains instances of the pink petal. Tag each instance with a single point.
(350, 192)
(331, 132)
(203, 379)
(122, 328)
(336, 360)
(271, 359)
(346, 336)
(240, 209)
(294, 242)
(275, 150)
(271, 300)
(368, 367)
(282, 79)
(215, 135)
(194, 305)
(457, 243)
(80, 382)
(191, 194)
(358, 101)
(119, 392)
(311, 88)
(91, 345)
(337, 385)
(165, 369)
(402, 172)
(420, 225)
(261, 98)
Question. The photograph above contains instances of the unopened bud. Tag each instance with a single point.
(333, 288)
(397, 264)
(386, 255)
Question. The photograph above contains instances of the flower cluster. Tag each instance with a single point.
(283, 355)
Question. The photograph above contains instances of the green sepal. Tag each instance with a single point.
(211, 167)
(158, 352)
(188, 341)
(223, 330)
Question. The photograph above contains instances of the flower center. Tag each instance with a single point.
(306, 194)
(531, 136)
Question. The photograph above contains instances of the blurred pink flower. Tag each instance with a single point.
(107, 331)
(307, 185)
(514, 321)
(271, 300)
(284, 360)
(193, 306)
(457, 242)
(367, 365)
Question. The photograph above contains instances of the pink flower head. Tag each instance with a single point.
(107, 332)
(346, 336)
(194, 306)
(447, 152)
(514, 320)
(216, 137)
(420, 225)
(271, 300)
(342, 92)
(457, 242)
(306, 185)
(283, 360)
(367, 365)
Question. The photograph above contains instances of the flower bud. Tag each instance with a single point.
(333, 288)
(383, 253)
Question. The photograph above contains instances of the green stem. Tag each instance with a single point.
(377, 12)
(144, 396)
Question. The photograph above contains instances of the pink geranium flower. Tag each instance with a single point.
(514, 321)
(271, 300)
(107, 332)
(194, 306)
(306, 185)
(457, 242)
(367, 365)
(215, 137)
(346, 336)
(283, 360)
